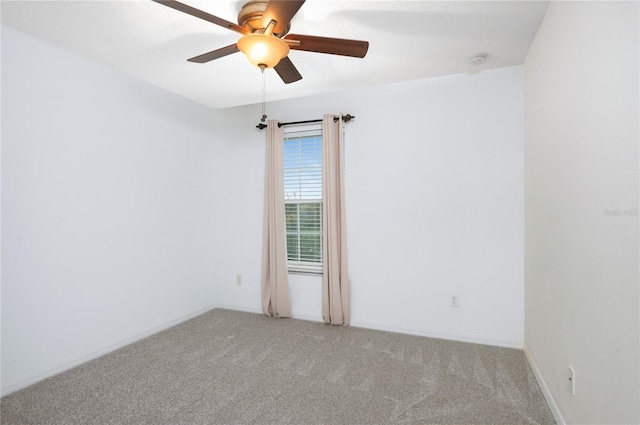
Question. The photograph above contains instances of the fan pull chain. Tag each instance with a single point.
(264, 114)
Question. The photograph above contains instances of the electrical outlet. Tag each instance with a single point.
(238, 279)
(572, 380)
(454, 300)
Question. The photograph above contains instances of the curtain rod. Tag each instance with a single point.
(345, 118)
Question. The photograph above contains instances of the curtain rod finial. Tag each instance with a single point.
(345, 118)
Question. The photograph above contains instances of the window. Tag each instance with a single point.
(303, 198)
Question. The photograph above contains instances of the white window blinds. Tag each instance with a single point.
(303, 198)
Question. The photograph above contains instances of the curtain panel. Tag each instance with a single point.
(335, 280)
(275, 285)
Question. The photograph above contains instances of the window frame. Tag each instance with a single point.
(298, 266)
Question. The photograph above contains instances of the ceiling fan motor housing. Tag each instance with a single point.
(250, 17)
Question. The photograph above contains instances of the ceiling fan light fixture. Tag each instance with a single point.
(263, 51)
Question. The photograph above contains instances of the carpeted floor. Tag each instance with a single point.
(229, 367)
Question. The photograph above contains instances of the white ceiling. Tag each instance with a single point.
(408, 40)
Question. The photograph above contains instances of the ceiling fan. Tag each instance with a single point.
(265, 41)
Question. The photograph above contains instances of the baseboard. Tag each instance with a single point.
(23, 383)
(308, 318)
(474, 339)
(237, 308)
(543, 386)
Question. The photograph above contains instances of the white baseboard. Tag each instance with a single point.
(543, 386)
(23, 383)
(237, 308)
(308, 318)
(474, 339)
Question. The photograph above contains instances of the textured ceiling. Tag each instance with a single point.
(408, 40)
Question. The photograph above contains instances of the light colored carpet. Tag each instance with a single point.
(229, 367)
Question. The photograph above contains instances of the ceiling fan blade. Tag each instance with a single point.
(202, 15)
(332, 46)
(215, 54)
(287, 71)
(281, 11)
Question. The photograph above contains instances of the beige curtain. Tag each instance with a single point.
(275, 286)
(335, 285)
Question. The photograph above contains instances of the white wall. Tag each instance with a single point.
(106, 208)
(434, 206)
(581, 163)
